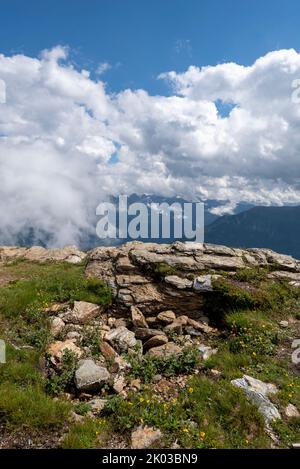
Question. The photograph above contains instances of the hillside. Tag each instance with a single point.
(276, 228)
(149, 345)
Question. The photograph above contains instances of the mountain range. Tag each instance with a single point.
(276, 228)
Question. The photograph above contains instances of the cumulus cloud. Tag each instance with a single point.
(66, 143)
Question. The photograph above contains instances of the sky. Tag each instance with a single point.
(192, 98)
(141, 39)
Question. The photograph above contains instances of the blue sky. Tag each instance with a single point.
(222, 122)
(141, 39)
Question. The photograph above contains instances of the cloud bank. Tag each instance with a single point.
(226, 132)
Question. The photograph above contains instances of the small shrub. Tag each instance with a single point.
(91, 338)
(82, 408)
(146, 367)
(60, 381)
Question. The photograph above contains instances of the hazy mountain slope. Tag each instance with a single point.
(276, 228)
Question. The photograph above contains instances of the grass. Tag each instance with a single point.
(252, 333)
(250, 290)
(90, 434)
(252, 275)
(30, 408)
(24, 390)
(208, 412)
(23, 400)
(205, 414)
(22, 302)
(48, 283)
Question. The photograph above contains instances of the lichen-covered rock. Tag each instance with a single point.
(258, 393)
(90, 377)
(156, 277)
(121, 338)
(203, 283)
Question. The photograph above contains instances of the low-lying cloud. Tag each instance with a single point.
(66, 143)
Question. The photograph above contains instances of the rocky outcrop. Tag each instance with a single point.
(37, 253)
(258, 392)
(157, 277)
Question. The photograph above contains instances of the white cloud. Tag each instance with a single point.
(102, 68)
(59, 130)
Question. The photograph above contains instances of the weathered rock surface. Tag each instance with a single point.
(166, 317)
(155, 341)
(258, 393)
(138, 319)
(291, 411)
(144, 436)
(57, 325)
(145, 333)
(119, 383)
(206, 351)
(164, 351)
(121, 338)
(57, 349)
(97, 404)
(90, 377)
(81, 313)
(203, 283)
(37, 253)
(157, 277)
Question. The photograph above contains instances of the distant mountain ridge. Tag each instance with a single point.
(276, 228)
